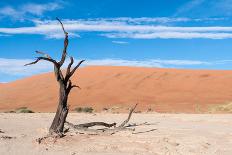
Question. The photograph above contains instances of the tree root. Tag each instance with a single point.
(54, 138)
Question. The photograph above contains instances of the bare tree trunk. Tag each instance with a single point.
(61, 113)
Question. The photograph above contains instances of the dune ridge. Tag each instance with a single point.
(155, 89)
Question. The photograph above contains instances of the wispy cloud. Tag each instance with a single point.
(205, 8)
(23, 11)
(15, 67)
(170, 35)
(121, 28)
(189, 6)
(39, 9)
(9, 12)
(119, 42)
(150, 20)
(60, 35)
(145, 63)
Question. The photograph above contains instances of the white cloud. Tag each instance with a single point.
(205, 8)
(9, 11)
(22, 11)
(16, 67)
(189, 6)
(2, 82)
(60, 35)
(169, 35)
(155, 20)
(121, 28)
(119, 42)
(121, 62)
(144, 63)
(39, 9)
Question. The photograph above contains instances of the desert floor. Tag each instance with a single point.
(187, 134)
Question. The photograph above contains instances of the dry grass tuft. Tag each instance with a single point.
(222, 108)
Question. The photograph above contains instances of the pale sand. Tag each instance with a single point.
(176, 134)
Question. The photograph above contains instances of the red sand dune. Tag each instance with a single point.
(162, 90)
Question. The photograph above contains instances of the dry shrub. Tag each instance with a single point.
(222, 108)
(23, 110)
(84, 109)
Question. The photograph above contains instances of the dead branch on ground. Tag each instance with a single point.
(1, 131)
(84, 128)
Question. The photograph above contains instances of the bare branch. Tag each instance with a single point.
(1, 131)
(75, 86)
(42, 58)
(144, 131)
(75, 68)
(58, 73)
(83, 128)
(45, 55)
(91, 124)
(65, 44)
(70, 86)
(129, 116)
(141, 124)
(61, 25)
(69, 67)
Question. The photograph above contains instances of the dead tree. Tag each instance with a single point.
(65, 84)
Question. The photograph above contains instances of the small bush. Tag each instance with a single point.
(105, 109)
(23, 110)
(221, 108)
(84, 109)
(88, 109)
(11, 111)
(78, 109)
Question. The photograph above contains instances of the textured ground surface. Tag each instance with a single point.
(175, 134)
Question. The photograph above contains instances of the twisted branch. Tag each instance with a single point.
(129, 116)
(57, 65)
(45, 54)
(69, 67)
(43, 58)
(70, 73)
(65, 43)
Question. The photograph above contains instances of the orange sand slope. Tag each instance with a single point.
(162, 90)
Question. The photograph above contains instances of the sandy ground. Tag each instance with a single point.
(186, 134)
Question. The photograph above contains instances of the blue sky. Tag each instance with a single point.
(193, 34)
